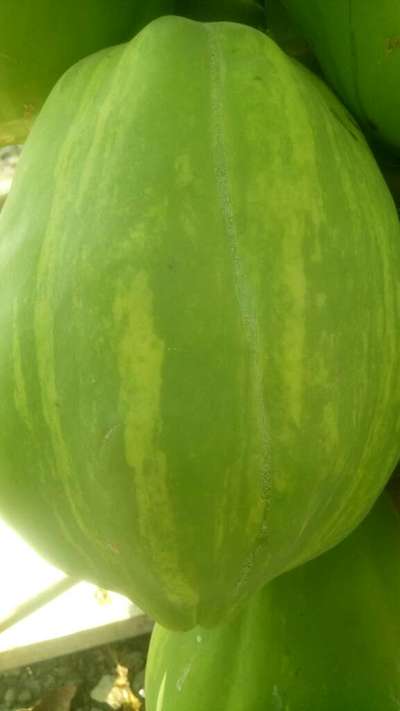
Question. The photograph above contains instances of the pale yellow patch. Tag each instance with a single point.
(183, 170)
(140, 359)
(151, 226)
(44, 332)
(319, 371)
(161, 693)
(316, 254)
(140, 354)
(44, 325)
(20, 397)
(330, 427)
(294, 327)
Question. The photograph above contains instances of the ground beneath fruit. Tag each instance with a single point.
(26, 686)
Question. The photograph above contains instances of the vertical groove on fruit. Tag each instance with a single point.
(244, 296)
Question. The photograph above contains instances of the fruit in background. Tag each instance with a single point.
(358, 47)
(40, 39)
(283, 31)
(199, 352)
(248, 12)
(393, 486)
(325, 636)
(389, 164)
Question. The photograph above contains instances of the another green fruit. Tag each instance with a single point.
(200, 306)
(325, 637)
(358, 46)
(40, 39)
(283, 31)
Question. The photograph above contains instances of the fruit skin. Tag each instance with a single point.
(199, 352)
(358, 46)
(325, 636)
(41, 39)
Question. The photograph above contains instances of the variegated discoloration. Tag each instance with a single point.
(140, 354)
(20, 395)
(199, 352)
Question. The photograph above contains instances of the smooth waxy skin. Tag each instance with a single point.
(325, 636)
(358, 46)
(199, 352)
(40, 39)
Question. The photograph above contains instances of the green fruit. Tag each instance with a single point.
(324, 637)
(281, 29)
(358, 46)
(247, 12)
(40, 39)
(389, 164)
(199, 353)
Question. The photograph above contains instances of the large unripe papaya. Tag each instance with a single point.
(358, 46)
(199, 353)
(40, 39)
(323, 637)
